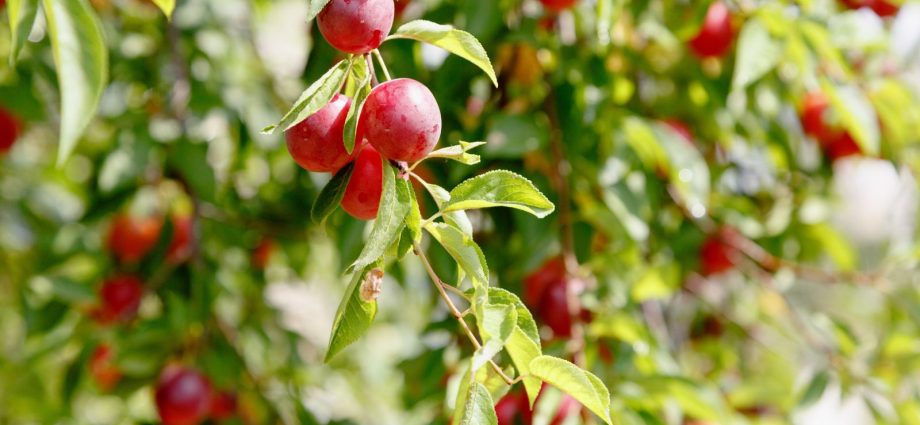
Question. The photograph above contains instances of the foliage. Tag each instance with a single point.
(658, 235)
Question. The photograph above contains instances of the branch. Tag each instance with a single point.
(559, 175)
(440, 285)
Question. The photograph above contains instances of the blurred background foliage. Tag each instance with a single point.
(813, 320)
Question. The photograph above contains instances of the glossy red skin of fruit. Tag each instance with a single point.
(182, 243)
(223, 405)
(183, 396)
(119, 299)
(715, 257)
(316, 143)
(262, 253)
(131, 238)
(716, 35)
(105, 374)
(9, 128)
(558, 5)
(362, 195)
(401, 119)
(356, 26)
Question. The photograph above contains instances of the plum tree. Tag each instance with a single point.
(362, 196)
(401, 119)
(9, 129)
(183, 396)
(130, 237)
(316, 142)
(356, 26)
(716, 35)
(119, 299)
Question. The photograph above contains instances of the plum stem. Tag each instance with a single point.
(383, 65)
(440, 286)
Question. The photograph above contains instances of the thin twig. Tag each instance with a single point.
(383, 65)
(439, 284)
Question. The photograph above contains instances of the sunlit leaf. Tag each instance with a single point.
(21, 14)
(576, 382)
(499, 188)
(394, 207)
(331, 195)
(353, 317)
(313, 98)
(460, 43)
(82, 61)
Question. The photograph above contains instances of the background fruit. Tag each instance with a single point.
(183, 396)
(716, 35)
(316, 142)
(9, 128)
(401, 119)
(119, 299)
(102, 368)
(356, 26)
(558, 5)
(131, 238)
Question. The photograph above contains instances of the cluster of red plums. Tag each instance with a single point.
(129, 240)
(183, 395)
(400, 120)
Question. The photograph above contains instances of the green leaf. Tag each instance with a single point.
(523, 345)
(758, 54)
(82, 64)
(394, 207)
(643, 141)
(331, 195)
(460, 43)
(414, 218)
(167, 6)
(464, 251)
(496, 324)
(187, 158)
(687, 169)
(351, 122)
(477, 407)
(314, 7)
(459, 153)
(314, 97)
(21, 14)
(499, 188)
(580, 384)
(814, 390)
(353, 317)
(856, 114)
(458, 219)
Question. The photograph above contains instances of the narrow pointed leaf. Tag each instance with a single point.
(523, 345)
(331, 195)
(353, 317)
(21, 14)
(499, 188)
(82, 62)
(394, 207)
(576, 382)
(314, 97)
(495, 327)
(354, 113)
(477, 408)
(459, 153)
(460, 43)
(458, 219)
(464, 251)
